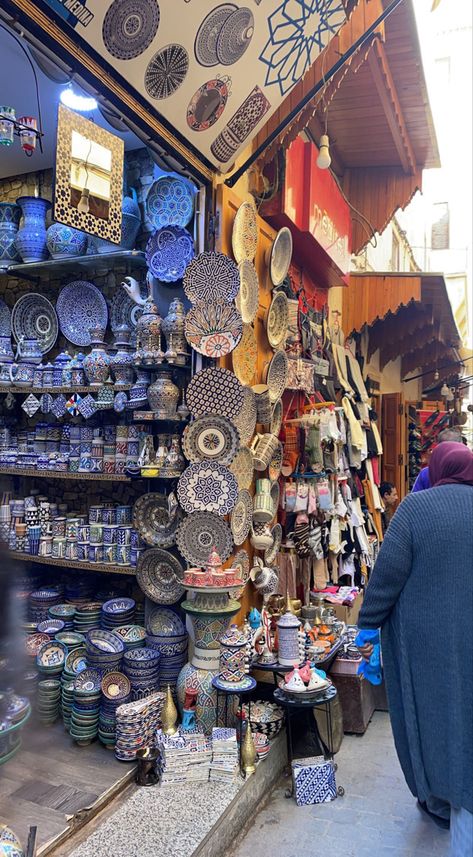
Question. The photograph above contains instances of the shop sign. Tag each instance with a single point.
(73, 11)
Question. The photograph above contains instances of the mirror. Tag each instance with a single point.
(89, 177)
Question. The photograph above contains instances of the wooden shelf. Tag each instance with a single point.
(65, 474)
(150, 416)
(102, 568)
(98, 262)
(38, 391)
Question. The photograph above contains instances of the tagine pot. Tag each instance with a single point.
(97, 363)
(30, 240)
(65, 241)
(10, 215)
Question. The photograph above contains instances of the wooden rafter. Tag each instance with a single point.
(386, 90)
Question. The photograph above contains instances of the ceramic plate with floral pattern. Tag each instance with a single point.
(207, 487)
(245, 233)
(245, 355)
(213, 329)
(247, 300)
(242, 516)
(199, 533)
(215, 391)
(211, 437)
(160, 574)
(211, 277)
(277, 320)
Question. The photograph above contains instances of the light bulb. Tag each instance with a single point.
(436, 375)
(83, 204)
(82, 103)
(323, 159)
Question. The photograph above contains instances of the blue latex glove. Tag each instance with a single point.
(371, 670)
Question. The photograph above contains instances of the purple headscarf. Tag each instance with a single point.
(451, 463)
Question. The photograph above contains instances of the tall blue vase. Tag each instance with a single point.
(31, 237)
(9, 222)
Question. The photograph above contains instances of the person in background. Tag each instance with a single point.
(390, 500)
(448, 435)
(420, 595)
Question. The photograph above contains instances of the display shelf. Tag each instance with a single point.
(102, 568)
(151, 416)
(69, 390)
(100, 263)
(65, 474)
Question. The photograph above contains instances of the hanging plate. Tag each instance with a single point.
(281, 255)
(277, 320)
(211, 277)
(275, 465)
(207, 487)
(124, 310)
(34, 317)
(213, 329)
(245, 355)
(242, 516)
(211, 437)
(245, 233)
(247, 299)
(154, 521)
(271, 553)
(208, 103)
(245, 421)
(276, 419)
(242, 467)
(80, 307)
(276, 376)
(159, 575)
(168, 252)
(215, 391)
(199, 533)
(242, 561)
(170, 202)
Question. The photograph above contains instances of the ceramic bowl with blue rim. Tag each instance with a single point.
(88, 682)
(51, 656)
(118, 605)
(51, 626)
(168, 253)
(104, 641)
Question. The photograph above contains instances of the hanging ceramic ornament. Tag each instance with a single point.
(73, 403)
(87, 406)
(30, 405)
(58, 408)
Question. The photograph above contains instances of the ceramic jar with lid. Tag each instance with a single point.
(163, 396)
(76, 369)
(59, 365)
(148, 335)
(173, 326)
(174, 463)
(121, 363)
(97, 363)
(29, 350)
(233, 654)
(288, 637)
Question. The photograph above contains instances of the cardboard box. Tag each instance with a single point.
(348, 614)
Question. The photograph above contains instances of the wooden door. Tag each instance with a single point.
(393, 431)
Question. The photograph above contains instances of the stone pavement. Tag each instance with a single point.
(377, 817)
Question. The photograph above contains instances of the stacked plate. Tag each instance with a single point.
(116, 689)
(48, 701)
(72, 639)
(51, 627)
(142, 668)
(50, 658)
(104, 650)
(40, 601)
(167, 635)
(79, 591)
(117, 612)
(87, 617)
(137, 723)
(133, 636)
(67, 700)
(33, 644)
(65, 612)
(86, 706)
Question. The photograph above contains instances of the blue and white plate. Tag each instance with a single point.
(170, 202)
(80, 307)
(168, 253)
(34, 317)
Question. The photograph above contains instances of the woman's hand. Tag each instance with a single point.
(366, 651)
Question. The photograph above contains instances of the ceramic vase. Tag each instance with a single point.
(64, 241)
(122, 361)
(131, 223)
(137, 395)
(288, 637)
(31, 237)
(97, 363)
(173, 326)
(10, 215)
(163, 396)
(148, 335)
(233, 654)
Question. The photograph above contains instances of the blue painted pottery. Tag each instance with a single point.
(31, 237)
(64, 241)
(10, 215)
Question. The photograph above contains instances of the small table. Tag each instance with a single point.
(290, 705)
(279, 671)
(226, 688)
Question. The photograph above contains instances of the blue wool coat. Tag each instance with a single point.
(421, 595)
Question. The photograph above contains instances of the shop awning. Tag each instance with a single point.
(211, 74)
(378, 116)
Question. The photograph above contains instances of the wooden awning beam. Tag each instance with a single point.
(386, 90)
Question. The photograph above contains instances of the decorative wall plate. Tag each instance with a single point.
(245, 421)
(235, 36)
(215, 391)
(154, 521)
(211, 277)
(242, 561)
(129, 27)
(211, 437)
(207, 487)
(245, 233)
(242, 468)
(205, 45)
(213, 329)
(34, 317)
(168, 252)
(80, 307)
(281, 255)
(247, 299)
(275, 493)
(245, 355)
(275, 465)
(244, 120)
(166, 71)
(208, 104)
(276, 376)
(276, 419)
(170, 202)
(160, 574)
(271, 553)
(242, 516)
(124, 310)
(5, 319)
(277, 320)
(199, 533)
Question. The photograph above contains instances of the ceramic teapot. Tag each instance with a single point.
(261, 536)
(265, 579)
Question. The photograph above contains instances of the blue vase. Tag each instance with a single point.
(31, 237)
(10, 215)
(131, 222)
(65, 241)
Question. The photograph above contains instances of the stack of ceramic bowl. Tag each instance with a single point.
(133, 636)
(265, 717)
(40, 601)
(86, 706)
(74, 664)
(51, 627)
(79, 591)
(137, 723)
(142, 668)
(140, 613)
(48, 701)
(117, 612)
(50, 659)
(87, 617)
(167, 634)
(33, 644)
(104, 650)
(71, 639)
(64, 612)
(116, 689)
(67, 701)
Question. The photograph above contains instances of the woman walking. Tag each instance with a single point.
(421, 596)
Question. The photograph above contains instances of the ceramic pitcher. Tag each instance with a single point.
(263, 448)
(263, 506)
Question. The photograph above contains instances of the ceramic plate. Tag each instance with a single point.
(246, 419)
(170, 202)
(275, 492)
(34, 317)
(215, 391)
(275, 465)
(129, 28)
(5, 319)
(244, 356)
(80, 307)
(281, 255)
(247, 299)
(207, 487)
(168, 252)
(276, 376)
(211, 277)
(245, 233)
(271, 553)
(277, 320)
(276, 419)
(208, 103)
(154, 520)
(242, 468)
(205, 45)
(211, 437)
(242, 561)
(242, 516)
(123, 309)
(198, 533)
(213, 329)
(160, 576)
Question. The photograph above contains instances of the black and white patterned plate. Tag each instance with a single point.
(215, 391)
(160, 574)
(242, 516)
(205, 45)
(245, 421)
(211, 437)
(154, 521)
(129, 27)
(281, 255)
(166, 71)
(199, 533)
(34, 317)
(245, 233)
(235, 36)
(207, 487)
(277, 374)
(213, 277)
